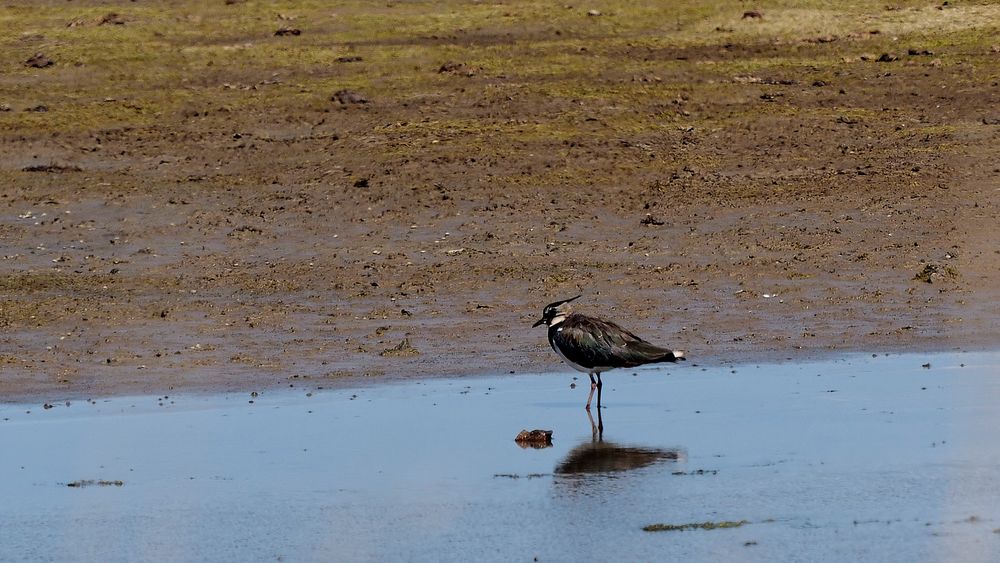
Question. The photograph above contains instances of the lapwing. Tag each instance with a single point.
(594, 346)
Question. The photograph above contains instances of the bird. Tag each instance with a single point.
(594, 346)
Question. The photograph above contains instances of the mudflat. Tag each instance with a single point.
(238, 195)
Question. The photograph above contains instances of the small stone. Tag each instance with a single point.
(111, 19)
(39, 60)
(346, 97)
(932, 273)
(403, 349)
(458, 68)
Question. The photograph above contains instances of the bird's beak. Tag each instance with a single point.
(538, 322)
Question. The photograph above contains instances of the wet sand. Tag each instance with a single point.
(863, 458)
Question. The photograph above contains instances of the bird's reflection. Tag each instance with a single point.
(599, 456)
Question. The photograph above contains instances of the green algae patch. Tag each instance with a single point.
(694, 526)
(98, 483)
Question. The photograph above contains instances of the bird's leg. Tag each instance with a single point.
(599, 385)
(593, 385)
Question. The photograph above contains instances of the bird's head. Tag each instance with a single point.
(555, 313)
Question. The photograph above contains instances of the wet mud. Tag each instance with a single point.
(192, 201)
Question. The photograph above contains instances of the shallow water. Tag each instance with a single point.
(865, 458)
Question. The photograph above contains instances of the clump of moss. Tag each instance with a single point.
(694, 526)
(99, 483)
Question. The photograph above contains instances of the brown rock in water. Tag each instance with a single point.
(534, 438)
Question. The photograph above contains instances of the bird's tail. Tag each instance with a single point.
(674, 356)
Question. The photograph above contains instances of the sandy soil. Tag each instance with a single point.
(192, 207)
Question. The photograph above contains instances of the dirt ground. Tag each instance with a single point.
(242, 195)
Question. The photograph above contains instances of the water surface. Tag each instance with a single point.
(864, 458)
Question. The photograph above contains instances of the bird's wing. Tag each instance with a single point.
(596, 343)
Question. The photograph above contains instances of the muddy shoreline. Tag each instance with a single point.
(221, 220)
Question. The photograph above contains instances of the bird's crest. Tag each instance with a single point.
(555, 313)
